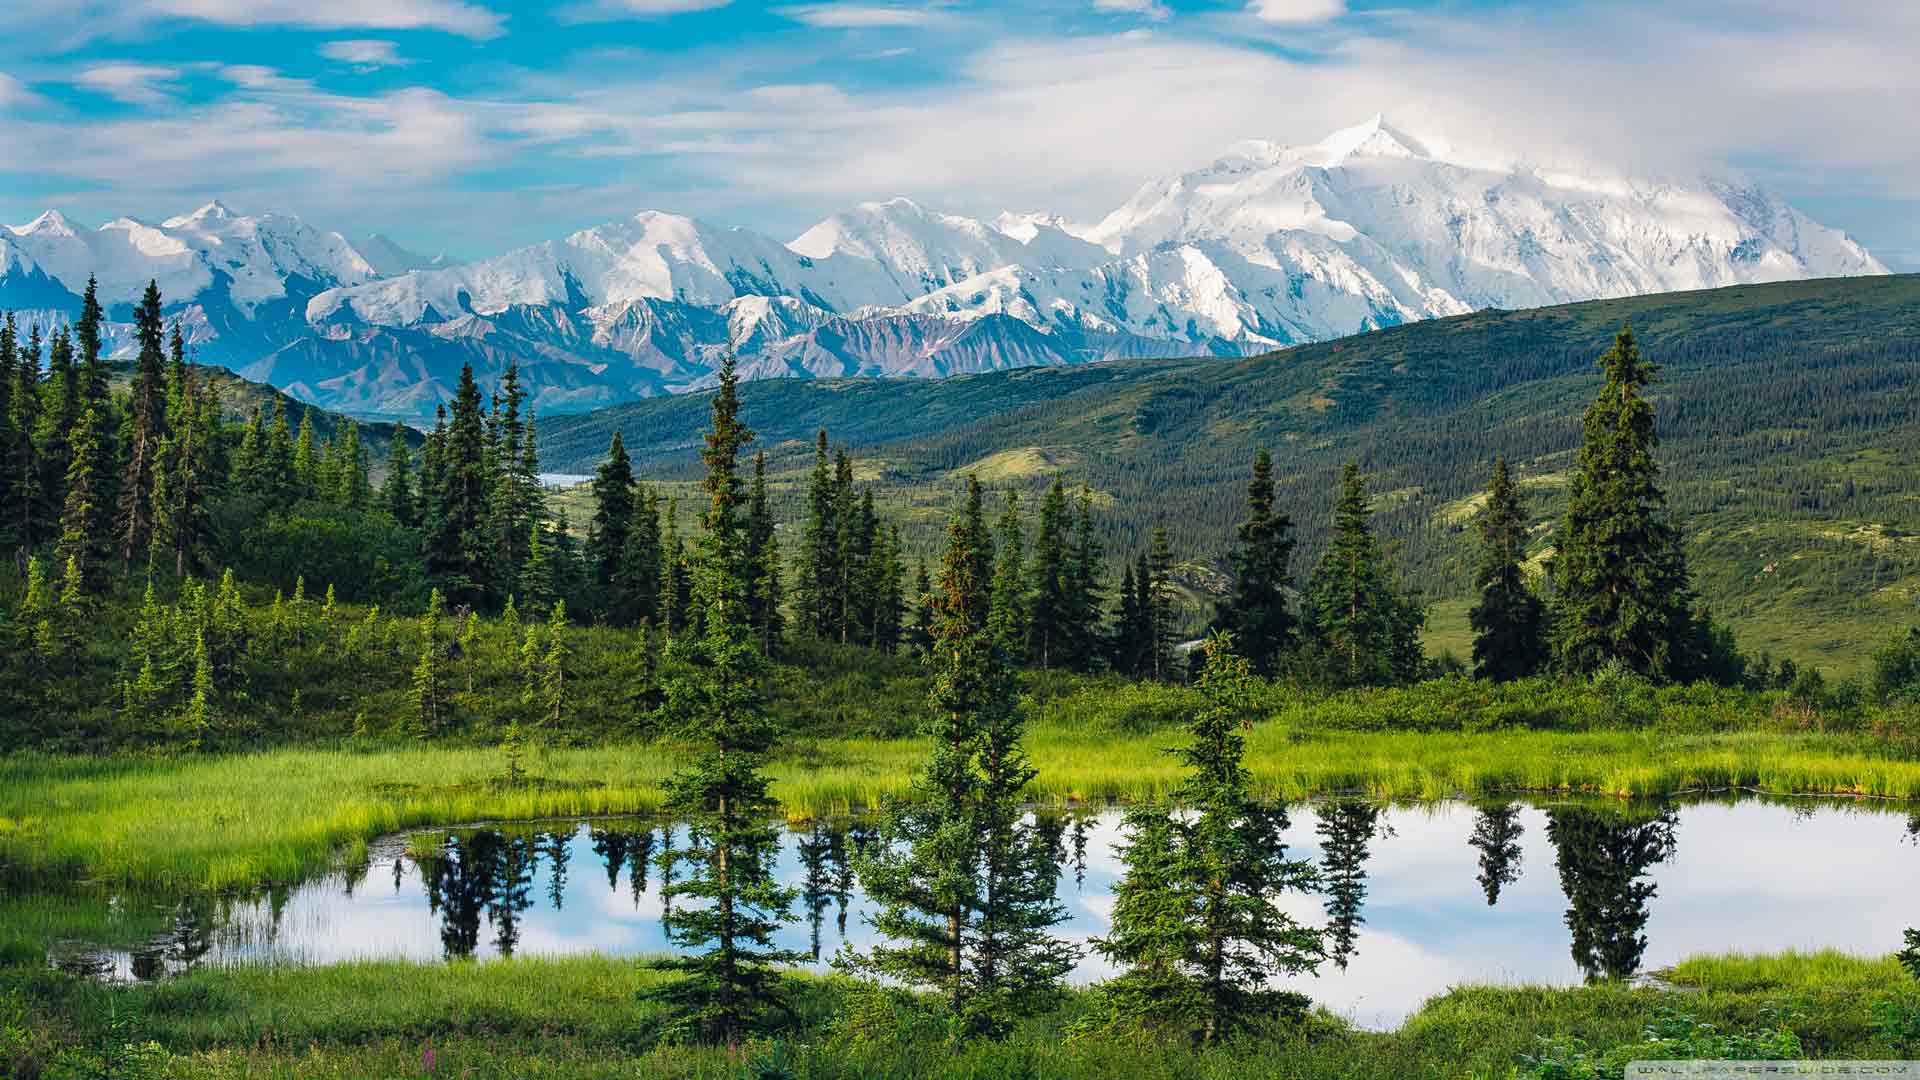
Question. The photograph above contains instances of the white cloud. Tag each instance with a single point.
(14, 92)
(1297, 11)
(452, 16)
(608, 10)
(854, 16)
(365, 54)
(133, 84)
(1152, 9)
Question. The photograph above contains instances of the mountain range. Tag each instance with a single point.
(1265, 247)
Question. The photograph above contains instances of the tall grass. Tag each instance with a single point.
(239, 820)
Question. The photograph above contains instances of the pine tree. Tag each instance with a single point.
(921, 634)
(553, 667)
(21, 456)
(146, 431)
(279, 473)
(1197, 918)
(1496, 836)
(1085, 645)
(198, 719)
(9, 359)
(75, 613)
(396, 493)
(516, 490)
(637, 582)
(675, 582)
(763, 557)
(612, 520)
(1622, 590)
(1509, 621)
(1257, 612)
(428, 695)
(83, 521)
(187, 477)
(65, 400)
(1160, 598)
(730, 979)
(852, 544)
(1356, 611)
(964, 902)
(820, 560)
(1128, 651)
(37, 612)
(306, 465)
(1049, 582)
(1009, 619)
(457, 549)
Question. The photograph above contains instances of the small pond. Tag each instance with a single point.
(1416, 898)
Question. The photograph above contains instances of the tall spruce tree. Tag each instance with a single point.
(730, 962)
(1509, 621)
(457, 548)
(65, 401)
(763, 560)
(637, 584)
(84, 523)
(1622, 590)
(9, 359)
(1009, 619)
(612, 519)
(1160, 598)
(1197, 917)
(820, 560)
(1367, 629)
(21, 455)
(1051, 620)
(1257, 611)
(189, 464)
(962, 883)
(146, 431)
(1085, 644)
(396, 492)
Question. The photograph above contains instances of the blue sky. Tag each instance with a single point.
(470, 126)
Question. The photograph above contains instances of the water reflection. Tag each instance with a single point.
(1604, 857)
(1414, 898)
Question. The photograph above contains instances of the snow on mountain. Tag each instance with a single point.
(1266, 246)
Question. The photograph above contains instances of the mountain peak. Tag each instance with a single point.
(1373, 138)
(50, 223)
(211, 212)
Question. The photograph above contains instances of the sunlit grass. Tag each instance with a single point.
(240, 820)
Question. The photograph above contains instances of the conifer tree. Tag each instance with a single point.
(457, 549)
(22, 455)
(729, 964)
(1257, 613)
(1509, 621)
(65, 397)
(1622, 590)
(516, 490)
(820, 560)
(76, 610)
(198, 718)
(537, 579)
(1160, 598)
(1085, 644)
(921, 634)
(83, 521)
(853, 545)
(187, 479)
(1369, 630)
(1009, 619)
(1050, 624)
(279, 473)
(37, 612)
(146, 431)
(93, 362)
(1197, 917)
(612, 518)
(306, 465)
(637, 583)
(1496, 836)
(9, 358)
(428, 695)
(763, 556)
(963, 884)
(1128, 653)
(675, 582)
(396, 493)
(553, 667)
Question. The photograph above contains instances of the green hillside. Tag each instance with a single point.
(1788, 415)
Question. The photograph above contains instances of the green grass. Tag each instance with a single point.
(239, 820)
(583, 1017)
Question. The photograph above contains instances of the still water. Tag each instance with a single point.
(1414, 898)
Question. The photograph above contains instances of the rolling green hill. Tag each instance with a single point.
(1790, 415)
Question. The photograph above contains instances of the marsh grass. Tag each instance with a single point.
(241, 820)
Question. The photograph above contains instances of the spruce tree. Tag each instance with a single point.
(1085, 644)
(553, 667)
(729, 967)
(612, 520)
(306, 464)
(279, 476)
(1496, 836)
(1198, 920)
(920, 635)
(146, 432)
(396, 493)
(1509, 621)
(763, 558)
(1160, 598)
(84, 524)
(820, 560)
(851, 542)
(963, 883)
(1622, 590)
(1368, 630)
(22, 455)
(1052, 610)
(1008, 620)
(457, 549)
(428, 695)
(65, 400)
(9, 358)
(637, 583)
(188, 477)
(1127, 653)
(1257, 612)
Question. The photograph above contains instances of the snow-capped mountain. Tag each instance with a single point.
(1267, 246)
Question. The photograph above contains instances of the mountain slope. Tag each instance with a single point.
(1267, 246)
(1790, 415)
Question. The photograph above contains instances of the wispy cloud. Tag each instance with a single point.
(855, 16)
(13, 92)
(365, 54)
(1150, 9)
(607, 10)
(134, 84)
(1297, 11)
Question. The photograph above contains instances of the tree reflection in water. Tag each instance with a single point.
(1345, 829)
(1496, 835)
(1603, 856)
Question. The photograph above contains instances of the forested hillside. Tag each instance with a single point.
(1787, 413)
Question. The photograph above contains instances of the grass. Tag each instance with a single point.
(238, 820)
(584, 1017)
